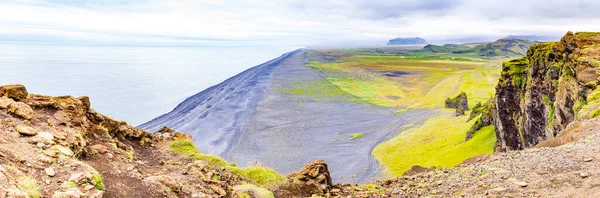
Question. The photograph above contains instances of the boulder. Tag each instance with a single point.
(16, 92)
(50, 171)
(26, 130)
(44, 137)
(100, 148)
(315, 173)
(86, 102)
(5, 102)
(81, 177)
(21, 109)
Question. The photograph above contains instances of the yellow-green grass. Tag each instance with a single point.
(257, 174)
(356, 136)
(319, 90)
(438, 142)
(29, 186)
(245, 189)
(428, 85)
(590, 108)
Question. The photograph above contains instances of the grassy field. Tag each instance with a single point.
(420, 84)
(439, 142)
(405, 80)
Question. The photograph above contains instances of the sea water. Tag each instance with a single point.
(128, 83)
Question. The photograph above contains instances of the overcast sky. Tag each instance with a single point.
(293, 22)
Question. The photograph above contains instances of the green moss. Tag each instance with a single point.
(257, 174)
(551, 116)
(595, 113)
(577, 106)
(568, 72)
(29, 186)
(591, 85)
(587, 34)
(594, 96)
(245, 189)
(129, 155)
(356, 136)
(69, 184)
(216, 177)
(243, 195)
(98, 179)
(517, 70)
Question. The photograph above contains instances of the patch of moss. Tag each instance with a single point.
(69, 184)
(243, 195)
(98, 180)
(577, 106)
(551, 116)
(517, 70)
(29, 186)
(356, 136)
(595, 113)
(129, 155)
(243, 190)
(594, 96)
(587, 34)
(257, 174)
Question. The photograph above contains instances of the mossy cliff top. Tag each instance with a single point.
(538, 95)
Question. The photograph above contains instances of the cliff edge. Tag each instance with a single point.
(540, 95)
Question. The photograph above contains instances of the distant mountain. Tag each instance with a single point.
(407, 41)
(534, 37)
(508, 47)
(504, 47)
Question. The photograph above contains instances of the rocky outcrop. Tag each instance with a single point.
(313, 179)
(460, 103)
(61, 147)
(315, 173)
(537, 96)
(16, 92)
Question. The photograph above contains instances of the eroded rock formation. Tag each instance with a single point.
(460, 103)
(537, 96)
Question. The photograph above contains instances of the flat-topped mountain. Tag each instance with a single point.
(407, 41)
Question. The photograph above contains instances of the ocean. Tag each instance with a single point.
(129, 83)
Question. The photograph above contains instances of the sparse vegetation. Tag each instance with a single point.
(129, 155)
(69, 184)
(356, 136)
(257, 173)
(244, 189)
(98, 180)
(28, 185)
(437, 142)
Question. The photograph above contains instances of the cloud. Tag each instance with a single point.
(293, 22)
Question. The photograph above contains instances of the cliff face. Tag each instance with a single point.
(537, 96)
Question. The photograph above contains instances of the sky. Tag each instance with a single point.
(291, 22)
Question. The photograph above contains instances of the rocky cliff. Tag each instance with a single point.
(60, 147)
(540, 94)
